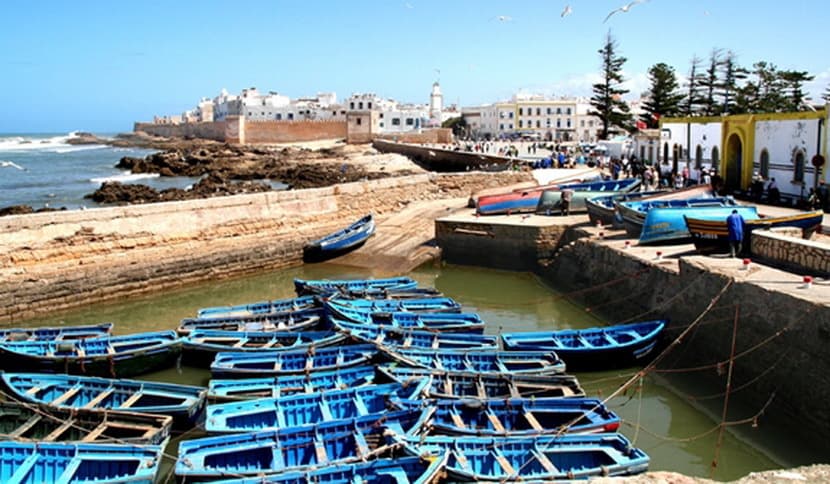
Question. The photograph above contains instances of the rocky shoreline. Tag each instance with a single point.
(226, 169)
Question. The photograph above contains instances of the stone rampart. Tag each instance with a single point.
(211, 130)
(782, 249)
(258, 132)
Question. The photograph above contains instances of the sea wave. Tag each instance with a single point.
(34, 143)
(124, 177)
(74, 148)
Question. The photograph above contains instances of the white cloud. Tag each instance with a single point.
(817, 86)
(580, 84)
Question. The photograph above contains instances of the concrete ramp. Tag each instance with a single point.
(403, 240)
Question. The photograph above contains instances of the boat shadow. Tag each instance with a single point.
(315, 255)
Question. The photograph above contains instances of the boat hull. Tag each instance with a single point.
(340, 242)
(712, 236)
(220, 390)
(668, 225)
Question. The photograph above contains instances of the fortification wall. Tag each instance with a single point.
(431, 136)
(211, 130)
(291, 131)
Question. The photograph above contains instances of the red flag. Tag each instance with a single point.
(655, 116)
(641, 124)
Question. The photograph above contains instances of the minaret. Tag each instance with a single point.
(436, 102)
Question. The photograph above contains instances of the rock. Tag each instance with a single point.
(15, 210)
(120, 193)
(83, 138)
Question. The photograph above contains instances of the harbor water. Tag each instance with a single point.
(661, 416)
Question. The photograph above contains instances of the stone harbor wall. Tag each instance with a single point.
(58, 260)
(784, 249)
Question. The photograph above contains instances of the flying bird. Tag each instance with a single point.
(502, 18)
(566, 11)
(11, 164)
(624, 9)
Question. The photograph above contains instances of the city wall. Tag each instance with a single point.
(58, 260)
(211, 130)
(241, 131)
(430, 136)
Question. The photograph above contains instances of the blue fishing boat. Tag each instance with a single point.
(392, 338)
(633, 213)
(516, 417)
(466, 385)
(663, 225)
(304, 320)
(308, 409)
(342, 241)
(415, 305)
(550, 202)
(403, 470)
(481, 361)
(201, 346)
(277, 363)
(331, 286)
(533, 459)
(114, 356)
(182, 402)
(592, 348)
(260, 308)
(527, 200)
(27, 422)
(602, 209)
(39, 462)
(712, 235)
(291, 448)
(275, 387)
(441, 322)
(56, 333)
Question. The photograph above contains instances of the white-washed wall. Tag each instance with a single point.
(783, 140)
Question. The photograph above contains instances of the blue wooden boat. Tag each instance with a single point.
(401, 470)
(414, 305)
(115, 356)
(331, 286)
(39, 462)
(260, 308)
(201, 346)
(416, 293)
(527, 200)
(466, 385)
(182, 402)
(516, 417)
(303, 320)
(341, 241)
(308, 409)
(56, 333)
(481, 361)
(592, 348)
(603, 210)
(633, 213)
(550, 202)
(277, 363)
(663, 225)
(389, 337)
(26, 422)
(534, 459)
(441, 322)
(291, 448)
(275, 387)
(712, 235)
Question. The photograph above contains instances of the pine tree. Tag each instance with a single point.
(709, 84)
(826, 95)
(692, 96)
(663, 96)
(770, 97)
(793, 89)
(727, 89)
(607, 98)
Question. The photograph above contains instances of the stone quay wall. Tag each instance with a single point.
(783, 249)
(431, 136)
(214, 130)
(54, 261)
(258, 132)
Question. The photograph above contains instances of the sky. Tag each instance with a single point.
(101, 65)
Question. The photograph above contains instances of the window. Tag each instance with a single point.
(568, 111)
(715, 156)
(590, 124)
(538, 111)
(409, 121)
(360, 105)
(548, 111)
(582, 125)
(558, 123)
(351, 105)
(279, 117)
(699, 157)
(510, 126)
(381, 124)
(510, 115)
(396, 121)
(521, 111)
(538, 124)
(370, 105)
(569, 122)
(343, 112)
(798, 169)
(290, 116)
(521, 123)
(359, 121)
(558, 110)
(764, 163)
(547, 122)
(381, 115)
(334, 113)
(501, 127)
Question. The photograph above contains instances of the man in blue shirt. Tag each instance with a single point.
(735, 225)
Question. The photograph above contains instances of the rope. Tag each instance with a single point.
(728, 391)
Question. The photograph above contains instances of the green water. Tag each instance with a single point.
(508, 301)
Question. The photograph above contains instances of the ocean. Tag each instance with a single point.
(43, 170)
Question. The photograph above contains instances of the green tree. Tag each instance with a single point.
(663, 95)
(826, 95)
(607, 100)
(709, 82)
(793, 89)
(731, 76)
(770, 88)
(458, 126)
(692, 97)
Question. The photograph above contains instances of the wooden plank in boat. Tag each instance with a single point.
(99, 398)
(531, 419)
(60, 430)
(19, 431)
(456, 420)
(66, 395)
(505, 465)
(131, 401)
(495, 422)
(545, 462)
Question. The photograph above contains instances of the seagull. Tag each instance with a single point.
(502, 18)
(11, 164)
(566, 11)
(624, 9)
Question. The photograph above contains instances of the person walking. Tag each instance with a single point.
(567, 195)
(735, 225)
